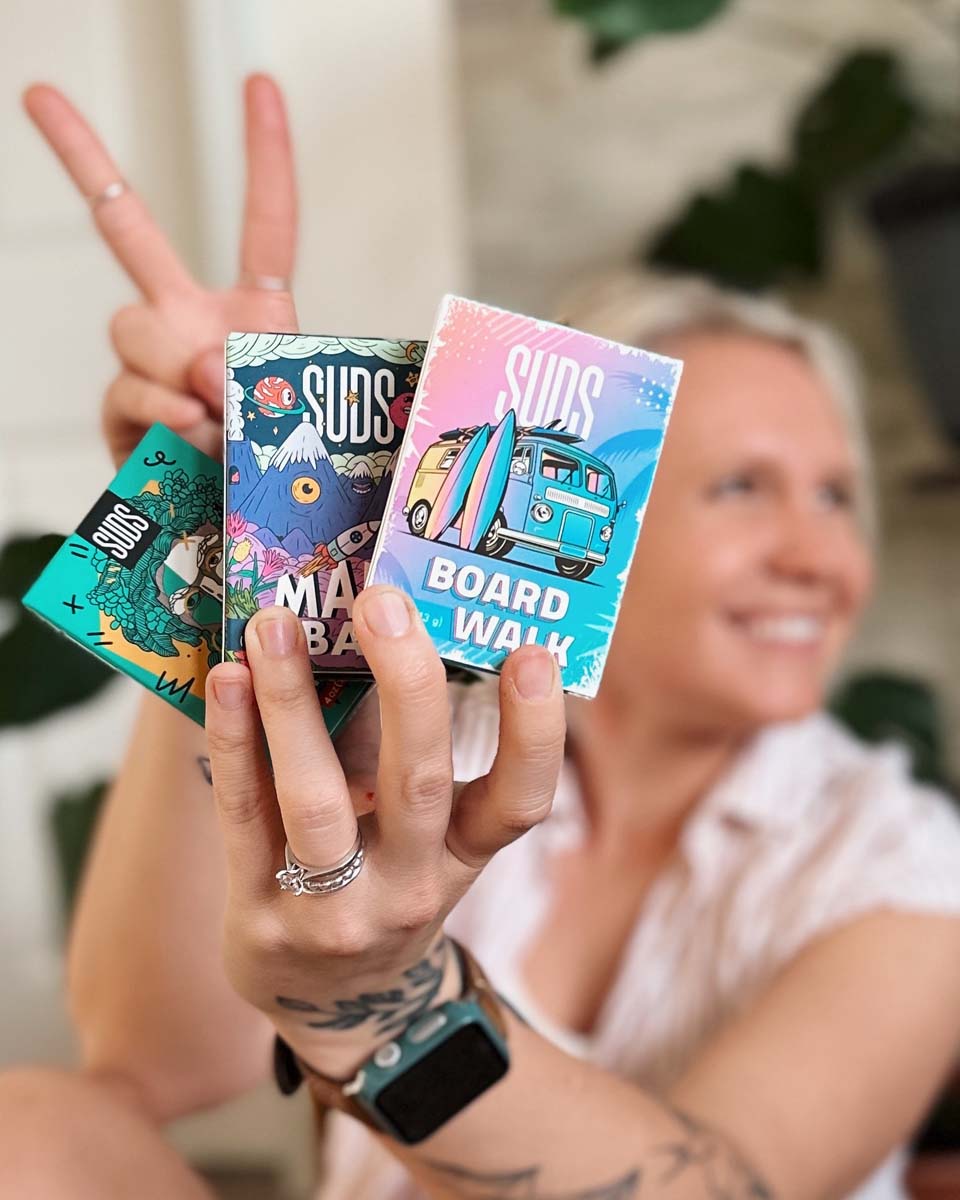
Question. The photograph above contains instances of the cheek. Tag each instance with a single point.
(851, 573)
(680, 573)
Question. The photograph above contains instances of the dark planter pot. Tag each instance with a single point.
(917, 218)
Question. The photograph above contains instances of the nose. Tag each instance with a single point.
(805, 548)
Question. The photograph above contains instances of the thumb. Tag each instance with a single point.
(206, 378)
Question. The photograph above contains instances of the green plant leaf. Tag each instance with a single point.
(860, 115)
(614, 24)
(881, 706)
(21, 561)
(73, 818)
(762, 225)
(44, 672)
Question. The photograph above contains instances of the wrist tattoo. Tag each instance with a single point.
(699, 1156)
(385, 1012)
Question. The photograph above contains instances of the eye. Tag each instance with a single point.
(305, 490)
(738, 484)
(193, 601)
(837, 494)
(287, 396)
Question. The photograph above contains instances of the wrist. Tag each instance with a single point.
(335, 1037)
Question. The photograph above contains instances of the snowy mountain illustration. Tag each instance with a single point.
(301, 490)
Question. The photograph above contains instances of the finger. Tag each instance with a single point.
(518, 791)
(358, 749)
(314, 802)
(270, 215)
(246, 803)
(126, 225)
(148, 346)
(132, 404)
(415, 776)
(133, 400)
(206, 378)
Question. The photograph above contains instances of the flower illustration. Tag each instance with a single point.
(237, 526)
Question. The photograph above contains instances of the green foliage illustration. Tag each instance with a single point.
(131, 595)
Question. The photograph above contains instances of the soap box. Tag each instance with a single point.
(140, 582)
(524, 475)
(313, 425)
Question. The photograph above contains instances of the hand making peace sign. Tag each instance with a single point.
(171, 343)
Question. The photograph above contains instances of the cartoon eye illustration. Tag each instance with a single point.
(212, 560)
(193, 601)
(286, 398)
(305, 490)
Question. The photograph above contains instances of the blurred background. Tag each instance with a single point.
(509, 149)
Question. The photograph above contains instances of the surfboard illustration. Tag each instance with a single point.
(454, 489)
(489, 484)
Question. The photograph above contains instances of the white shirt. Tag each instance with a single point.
(808, 830)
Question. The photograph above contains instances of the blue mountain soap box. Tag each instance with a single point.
(313, 425)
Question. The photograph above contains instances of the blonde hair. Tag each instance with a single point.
(640, 310)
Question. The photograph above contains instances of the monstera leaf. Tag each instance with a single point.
(859, 116)
(614, 24)
(762, 225)
(766, 225)
(43, 671)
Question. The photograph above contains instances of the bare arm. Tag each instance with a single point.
(799, 1099)
(146, 985)
(147, 991)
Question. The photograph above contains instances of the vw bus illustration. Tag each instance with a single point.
(507, 486)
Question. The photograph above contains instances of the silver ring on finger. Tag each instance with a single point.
(298, 878)
(264, 283)
(110, 192)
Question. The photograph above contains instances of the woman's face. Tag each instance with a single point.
(750, 569)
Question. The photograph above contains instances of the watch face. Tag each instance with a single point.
(443, 1082)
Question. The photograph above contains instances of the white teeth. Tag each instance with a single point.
(795, 630)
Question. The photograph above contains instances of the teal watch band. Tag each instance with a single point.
(415, 1083)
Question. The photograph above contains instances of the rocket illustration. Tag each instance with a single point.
(345, 545)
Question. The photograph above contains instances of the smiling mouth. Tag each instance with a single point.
(796, 629)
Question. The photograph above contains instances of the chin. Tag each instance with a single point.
(775, 702)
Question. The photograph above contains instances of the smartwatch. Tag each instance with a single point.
(411, 1086)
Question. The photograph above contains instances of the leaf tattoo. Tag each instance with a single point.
(388, 1011)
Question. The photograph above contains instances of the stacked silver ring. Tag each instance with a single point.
(298, 878)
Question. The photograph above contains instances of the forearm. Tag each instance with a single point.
(559, 1128)
(556, 1127)
(146, 985)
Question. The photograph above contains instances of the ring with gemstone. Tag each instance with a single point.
(298, 878)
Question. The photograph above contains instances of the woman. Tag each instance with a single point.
(736, 938)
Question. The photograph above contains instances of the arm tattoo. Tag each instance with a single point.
(524, 1185)
(702, 1152)
(698, 1155)
(204, 764)
(389, 1011)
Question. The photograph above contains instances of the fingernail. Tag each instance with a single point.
(387, 614)
(230, 693)
(277, 636)
(534, 678)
